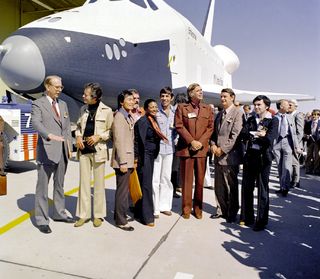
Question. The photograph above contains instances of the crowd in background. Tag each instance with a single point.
(169, 142)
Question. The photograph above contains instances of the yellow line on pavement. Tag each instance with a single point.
(30, 213)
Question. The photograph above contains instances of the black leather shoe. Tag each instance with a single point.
(67, 220)
(176, 196)
(126, 228)
(258, 228)
(284, 193)
(216, 216)
(279, 191)
(44, 229)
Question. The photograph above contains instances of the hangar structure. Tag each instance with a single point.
(16, 13)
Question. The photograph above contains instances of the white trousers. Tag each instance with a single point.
(88, 164)
(161, 183)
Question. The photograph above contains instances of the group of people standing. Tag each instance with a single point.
(150, 140)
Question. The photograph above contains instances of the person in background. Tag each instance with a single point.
(298, 119)
(92, 133)
(147, 136)
(122, 159)
(258, 133)
(285, 146)
(162, 186)
(137, 111)
(50, 118)
(194, 124)
(312, 136)
(227, 156)
(180, 98)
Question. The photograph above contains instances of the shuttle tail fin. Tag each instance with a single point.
(208, 23)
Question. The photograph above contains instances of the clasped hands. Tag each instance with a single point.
(216, 151)
(90, 141)
(196, 145)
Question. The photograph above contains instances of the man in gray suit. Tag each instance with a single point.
(285, 146)
(227, 156)
(298, 119)
(50, 118)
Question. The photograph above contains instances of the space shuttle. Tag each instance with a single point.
(142, 44)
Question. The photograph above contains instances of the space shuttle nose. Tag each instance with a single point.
(21, 63)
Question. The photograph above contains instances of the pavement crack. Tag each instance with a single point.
(45, 269)
(155, 248)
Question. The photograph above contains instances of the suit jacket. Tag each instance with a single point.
(123, 140)
(226, 135)
(298, 119)
(308, 132)
(102, 126)
(45, 122)
(292, 132)
(193, 128)
(140, 134)
(260, 145)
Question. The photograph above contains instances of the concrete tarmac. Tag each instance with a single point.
(174, 249)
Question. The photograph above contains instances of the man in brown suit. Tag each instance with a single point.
(227, 156)
(194, 124)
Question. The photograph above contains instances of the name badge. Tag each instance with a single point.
(192, 115)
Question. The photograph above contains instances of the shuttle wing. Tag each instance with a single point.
(246, 96)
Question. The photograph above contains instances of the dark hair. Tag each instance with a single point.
(166, 90)
(229, 91)
(180, 98)
(147, 102)
(264, 98)
(96, 90)
(122, 96)
(134, 91)
(278, 103)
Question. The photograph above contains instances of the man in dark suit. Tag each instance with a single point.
(194, 124)
(50, 118)
(227, 156)
(312, 136)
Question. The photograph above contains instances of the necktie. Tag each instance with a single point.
(283, 126)
(55, 109)
(314, 127)
(156, 128)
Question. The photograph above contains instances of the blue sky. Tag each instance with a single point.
(277, 42)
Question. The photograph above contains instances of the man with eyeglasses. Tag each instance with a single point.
(50, 118)
(312, 136)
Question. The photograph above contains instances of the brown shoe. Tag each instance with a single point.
(198, 215)
(150, 224)
(168, 213)
(97, 222)
(186, 215)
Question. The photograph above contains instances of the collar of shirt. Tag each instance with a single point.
(227, 110)
(50, 99)
(195, 103)
(163, 111)
(126, 114)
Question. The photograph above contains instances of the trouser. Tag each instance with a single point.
(295, 169)
(121, 198)
(88, 163)
(283, 156)
(144, 207)
(226, 190)
(313, 158)
(41, 198)
(255, 173)
(189, 167)
(161, 181)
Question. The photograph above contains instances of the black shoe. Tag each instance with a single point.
(231, 220)
(208, 187)
(284, 193)
(279, 192)
(44, 229)
(258, 227)
(216, 216)
(67, 220)
(126, 228)
(297, 185)
(176, 196)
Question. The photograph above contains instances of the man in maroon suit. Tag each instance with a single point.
(194, 124)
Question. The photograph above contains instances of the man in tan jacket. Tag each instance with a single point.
(92, 133)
